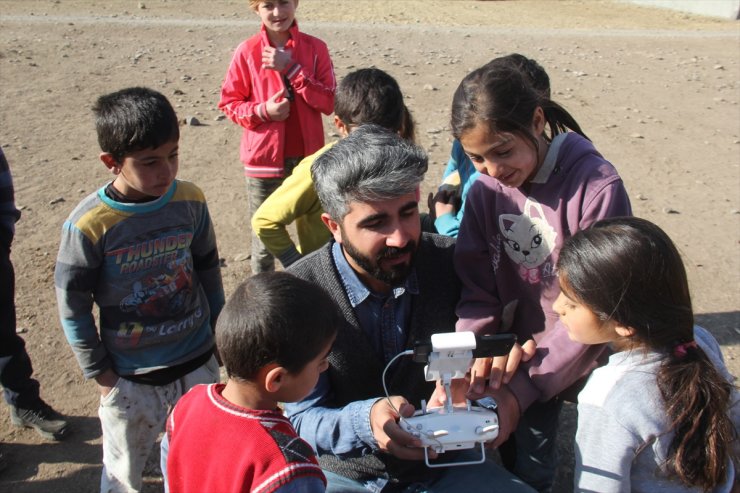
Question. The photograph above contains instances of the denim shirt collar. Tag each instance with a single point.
(356, 291)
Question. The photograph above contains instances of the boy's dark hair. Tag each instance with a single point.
(370, 95)
(628, 270)
(133, 119)
(274, 317)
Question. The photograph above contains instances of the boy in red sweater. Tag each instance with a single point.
(279, 83)
(274, 336)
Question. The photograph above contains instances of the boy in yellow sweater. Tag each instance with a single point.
(364, 96)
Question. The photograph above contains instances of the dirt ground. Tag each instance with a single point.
(657, 91)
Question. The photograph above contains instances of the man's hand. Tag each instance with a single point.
(274, 59)
(277, 107)
(500, 369)
(106, 381)
(390, 436)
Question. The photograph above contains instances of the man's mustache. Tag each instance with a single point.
(390, 253)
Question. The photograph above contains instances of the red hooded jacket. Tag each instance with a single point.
(247, 86)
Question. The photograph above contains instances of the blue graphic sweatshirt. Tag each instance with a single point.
(153, 271)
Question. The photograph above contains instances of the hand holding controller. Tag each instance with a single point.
(450, 356)
(461, 429)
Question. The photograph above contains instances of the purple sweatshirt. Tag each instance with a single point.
(506, 257)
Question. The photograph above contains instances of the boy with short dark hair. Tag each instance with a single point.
(367, 95)
(274, 336)
(144, 250)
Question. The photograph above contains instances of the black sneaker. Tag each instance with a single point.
(45, 420)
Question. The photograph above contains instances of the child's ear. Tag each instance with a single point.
(274, 378)
(623, 331)
(538, 121)
(333, 227)
(110, 162)
(341, 126)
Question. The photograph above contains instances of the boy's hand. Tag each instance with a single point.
(390, 436)
(500, 369)
(277, 107)
(443, 202)
(106, 381)
(274, 59)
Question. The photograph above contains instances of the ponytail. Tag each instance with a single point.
(559, 120)
(697, 400)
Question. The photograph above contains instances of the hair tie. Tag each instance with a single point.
(681, 350)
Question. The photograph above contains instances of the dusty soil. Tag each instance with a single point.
(657, 91)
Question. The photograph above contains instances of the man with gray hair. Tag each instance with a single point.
(394, 286)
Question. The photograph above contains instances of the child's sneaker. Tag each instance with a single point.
(45, 420)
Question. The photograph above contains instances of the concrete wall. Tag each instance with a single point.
(727, 9)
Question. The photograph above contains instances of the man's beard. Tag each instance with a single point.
(396, 275)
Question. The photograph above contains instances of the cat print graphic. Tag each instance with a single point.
(528, 239)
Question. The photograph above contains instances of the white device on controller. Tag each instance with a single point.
(450, 356)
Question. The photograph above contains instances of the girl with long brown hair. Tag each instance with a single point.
(662, 415)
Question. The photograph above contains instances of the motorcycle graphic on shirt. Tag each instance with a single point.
(162, 294)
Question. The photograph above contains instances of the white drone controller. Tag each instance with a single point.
(447, 428)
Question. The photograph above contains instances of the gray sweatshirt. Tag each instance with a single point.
(623, 438)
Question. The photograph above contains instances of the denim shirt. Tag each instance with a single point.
(346, 432)
(384, 318)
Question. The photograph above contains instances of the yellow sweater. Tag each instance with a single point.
(294, 200)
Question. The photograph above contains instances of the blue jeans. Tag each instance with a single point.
(487, 476)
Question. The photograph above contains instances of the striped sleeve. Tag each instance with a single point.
(75, 276)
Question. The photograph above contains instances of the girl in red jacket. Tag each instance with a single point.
(279, 82)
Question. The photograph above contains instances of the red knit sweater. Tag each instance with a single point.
(217, 446)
